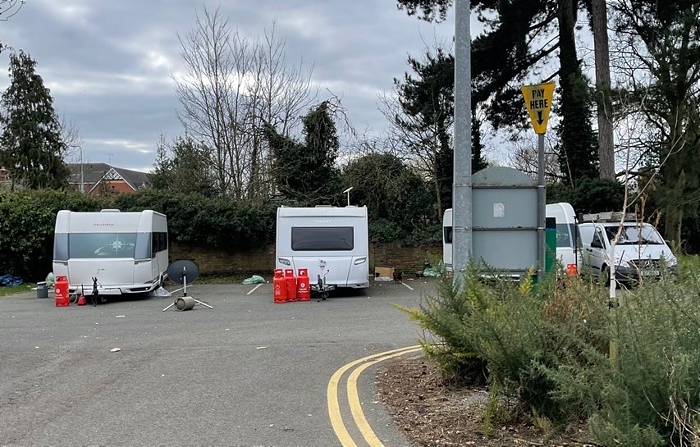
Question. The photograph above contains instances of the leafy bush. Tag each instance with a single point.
(209, 222)
(591, 195)
(447, 316)
(650, 387)
(27, 221)
(560, 353)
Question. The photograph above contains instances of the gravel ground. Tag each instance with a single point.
(433, 413)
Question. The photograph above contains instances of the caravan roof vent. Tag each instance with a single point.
(610, 216)
(110, 210)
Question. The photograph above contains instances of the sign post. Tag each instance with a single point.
(538, 101)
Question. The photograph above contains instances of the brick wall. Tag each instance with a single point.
(262, 261)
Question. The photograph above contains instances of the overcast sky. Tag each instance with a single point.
(108, 63)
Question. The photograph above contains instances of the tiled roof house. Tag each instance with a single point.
(100, 179)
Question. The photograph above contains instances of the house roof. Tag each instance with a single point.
(93, 173)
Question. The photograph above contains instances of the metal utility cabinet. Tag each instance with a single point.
(504, 222)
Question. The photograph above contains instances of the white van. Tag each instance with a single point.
(331, 242)
(640, 251)
(568, 246)
(568, 240)
(126, 251)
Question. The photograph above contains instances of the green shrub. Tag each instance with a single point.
(444, 316)
(208, 222)
(27, 221)
(563, 355)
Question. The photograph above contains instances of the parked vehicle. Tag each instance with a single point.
(331, 242)
(639, 253)
(568, 243)
(127, 252)
(447, 239)
(568, 239)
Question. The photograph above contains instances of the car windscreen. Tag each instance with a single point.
(323, 239)
(635, 234)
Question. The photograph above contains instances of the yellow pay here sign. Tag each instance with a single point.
(538, 101)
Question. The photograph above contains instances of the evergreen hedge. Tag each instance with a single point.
(27, 221)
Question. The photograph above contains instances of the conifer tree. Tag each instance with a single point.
(31, 145)
(306, 172)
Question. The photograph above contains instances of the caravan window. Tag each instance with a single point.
(159, 242)
(447, 234)
(322, 239)
(565, 234)
(102, 245)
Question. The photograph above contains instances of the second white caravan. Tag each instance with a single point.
(568, 238)
(568, 241)
(332, 243)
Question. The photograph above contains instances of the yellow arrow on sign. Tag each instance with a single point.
(538, 101)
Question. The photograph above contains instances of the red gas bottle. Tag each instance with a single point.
(303, 285)
(61, 291)
(279, 287)
(291, 284)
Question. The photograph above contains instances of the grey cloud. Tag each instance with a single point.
(108, 63)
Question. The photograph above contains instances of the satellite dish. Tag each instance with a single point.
(183, 271)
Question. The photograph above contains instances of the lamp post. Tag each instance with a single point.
(347, 191)
(462, 178)
(82, 179)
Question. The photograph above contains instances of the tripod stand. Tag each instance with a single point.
(180, 273)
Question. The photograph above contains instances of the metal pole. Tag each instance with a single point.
(82, 180)
(541, 208)
(462, 174)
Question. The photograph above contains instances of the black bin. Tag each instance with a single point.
(41, 290)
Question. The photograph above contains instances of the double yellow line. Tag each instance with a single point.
(353, 398)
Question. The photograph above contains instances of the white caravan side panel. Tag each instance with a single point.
(331, 242)
(447, 239)
(568, 246)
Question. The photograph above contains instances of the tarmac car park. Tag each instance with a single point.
(246, 372)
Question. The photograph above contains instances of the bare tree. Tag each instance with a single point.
(70, 134)
(232, 87)
(660, 68)
(9, 8)
(524, 158)
(416, 144)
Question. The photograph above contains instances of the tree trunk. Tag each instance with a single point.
(606, 149)
(672, 226)
(577, 153)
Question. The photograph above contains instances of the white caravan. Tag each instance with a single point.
(568, 251)
(447, 239)
(331, 242)
(126, 251)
